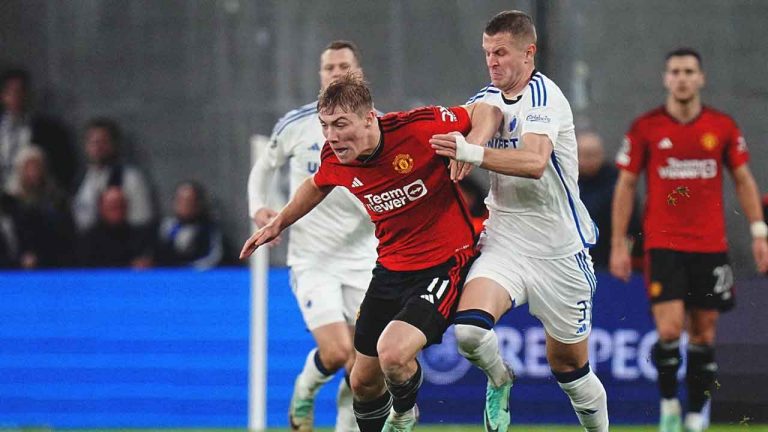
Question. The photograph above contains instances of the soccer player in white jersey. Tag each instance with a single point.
(331, 251)
(534, 246)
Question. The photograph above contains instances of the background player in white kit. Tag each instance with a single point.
(534, 247)
(331, 251)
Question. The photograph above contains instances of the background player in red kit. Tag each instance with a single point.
(424, 231)
(684, 147)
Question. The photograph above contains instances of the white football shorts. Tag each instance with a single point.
(558, 291)
(327, 296)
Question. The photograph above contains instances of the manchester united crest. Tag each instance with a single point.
(709, 141)
(403, 163)
(655, 289)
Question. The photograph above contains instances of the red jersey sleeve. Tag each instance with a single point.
(453, 119)
(736, 152)
(324, 176)
(631, 156)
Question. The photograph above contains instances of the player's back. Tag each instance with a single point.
(338, 231)
(420, 218)
(543, 217)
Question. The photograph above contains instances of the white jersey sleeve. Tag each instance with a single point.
(269, 162)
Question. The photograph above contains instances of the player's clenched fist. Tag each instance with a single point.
(264, 235)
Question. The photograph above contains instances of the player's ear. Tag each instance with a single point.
(530, 52)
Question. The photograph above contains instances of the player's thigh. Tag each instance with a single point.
(319, 297)
(400, 342)
(560, 295)
(666, 276)
(433, 296)
(564, 357)
(493, 283)
(334, 341)
(375, 314)
(702, 326)
(711, 281)
(353, 289)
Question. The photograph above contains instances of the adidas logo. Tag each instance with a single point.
(314, 147)
(356, 182)
(665, 144)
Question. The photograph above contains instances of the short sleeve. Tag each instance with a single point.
(541, 120)
(736, 152)
(631, 155)
(275, 155)
(453, 119)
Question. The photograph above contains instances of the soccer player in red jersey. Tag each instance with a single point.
(684, 148)
(426, 240)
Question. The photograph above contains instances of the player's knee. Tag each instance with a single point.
(470, 338)
(702, 337)
(337, 356)
(669, 331)
(365, 386)
(391, 358)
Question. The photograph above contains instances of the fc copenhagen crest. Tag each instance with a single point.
(709, 141)
(403, 163)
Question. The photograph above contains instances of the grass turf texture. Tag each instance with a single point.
(746, 426)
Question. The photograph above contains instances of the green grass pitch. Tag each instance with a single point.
(744, 427)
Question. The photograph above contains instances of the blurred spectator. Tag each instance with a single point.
(190, 237)
(102, 138)
(10, 254)
(19, 128)
(42, 212)
(597, 179)
(113, 241)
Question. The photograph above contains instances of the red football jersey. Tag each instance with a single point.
(684, 165)
(421, 220)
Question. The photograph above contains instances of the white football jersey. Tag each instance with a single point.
(541, 218)
(338, 232)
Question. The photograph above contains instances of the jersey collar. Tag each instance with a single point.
(519, 97)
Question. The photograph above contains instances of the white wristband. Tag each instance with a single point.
(466, 152)
(759, 229)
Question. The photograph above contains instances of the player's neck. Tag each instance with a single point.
(372, 141)
(517, 87)
(683, 111)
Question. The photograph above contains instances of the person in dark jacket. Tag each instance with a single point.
(190, 237)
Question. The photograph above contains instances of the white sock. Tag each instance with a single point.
(670, 407)
(589, 401)
(481, 348)
(694, 422)
(345, 416)
(310, 379)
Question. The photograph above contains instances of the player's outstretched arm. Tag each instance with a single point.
(620, 263)
(485, 120)
(749, 198)
(307, 197)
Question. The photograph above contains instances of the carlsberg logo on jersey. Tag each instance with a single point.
(677, 169)
(395, 198)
